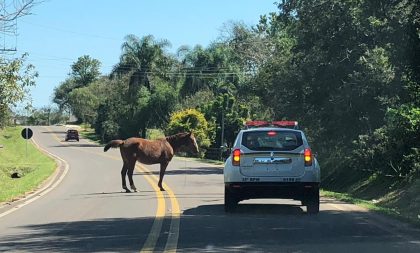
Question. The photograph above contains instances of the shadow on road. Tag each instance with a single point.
(133, 196)
(118, 194)
(283, 228)
(247, 210)
(100, 235)
(115, 193)
(187, 171)
(206, 228)
(79, 145)
(54, 132)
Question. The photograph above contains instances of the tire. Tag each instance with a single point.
(312, 201)
(231, 202)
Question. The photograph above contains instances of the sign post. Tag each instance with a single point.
(26, 134)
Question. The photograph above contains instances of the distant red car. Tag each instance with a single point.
(72, 134)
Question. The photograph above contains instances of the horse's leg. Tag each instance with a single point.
(161, 174)
(123, 173)
(130, 175)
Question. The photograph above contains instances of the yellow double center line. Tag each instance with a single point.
(172, 242)
(155, 231)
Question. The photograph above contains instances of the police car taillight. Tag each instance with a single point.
(236, 157)
(307, 156)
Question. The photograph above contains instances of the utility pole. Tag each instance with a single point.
(49, 113)
(10, 11)
(222, 135)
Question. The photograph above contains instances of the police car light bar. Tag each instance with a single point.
(279, 123)
(257, 123)
(285, 123)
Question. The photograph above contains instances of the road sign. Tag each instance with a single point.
(27, 133)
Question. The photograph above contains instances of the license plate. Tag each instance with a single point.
(272, 160)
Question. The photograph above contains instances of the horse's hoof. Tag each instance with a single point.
(127, 191)
(135, 190)
(162, 190)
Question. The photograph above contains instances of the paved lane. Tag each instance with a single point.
(275, 225)
(87, 212)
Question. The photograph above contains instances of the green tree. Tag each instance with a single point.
(163, 100)
(152, 87)
(393, 148)
(61, 93)
(228, 115)
(15, 78)
(84, 103)
(85, 71)
(337, 67)
(142, 58)
(206, 68)
(111, 117)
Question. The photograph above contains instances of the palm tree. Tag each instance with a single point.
(142, 58)
(144, 61)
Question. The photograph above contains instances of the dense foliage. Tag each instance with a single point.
(15, 78)
(348, 71)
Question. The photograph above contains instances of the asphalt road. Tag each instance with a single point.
(83, 209)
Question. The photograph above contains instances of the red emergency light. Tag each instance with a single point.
(278, 123)
(285, 123)
(257, 123)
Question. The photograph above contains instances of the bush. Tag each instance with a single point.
(392, 149)
(190, 120)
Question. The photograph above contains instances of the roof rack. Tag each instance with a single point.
(277, 123)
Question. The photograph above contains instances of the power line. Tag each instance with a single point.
(72, 32)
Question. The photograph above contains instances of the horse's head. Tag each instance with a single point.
(184, 142)
(191, 143)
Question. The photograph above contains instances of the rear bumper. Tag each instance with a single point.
(296, 190)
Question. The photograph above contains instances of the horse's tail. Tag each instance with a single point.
(113, 144)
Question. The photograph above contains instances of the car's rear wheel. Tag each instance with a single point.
(312, 201)
(231, 201)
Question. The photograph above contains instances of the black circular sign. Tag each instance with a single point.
(27, 133)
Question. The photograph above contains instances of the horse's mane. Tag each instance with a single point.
(176, 136)
(176, 140)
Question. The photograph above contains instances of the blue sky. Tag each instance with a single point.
(60, 31)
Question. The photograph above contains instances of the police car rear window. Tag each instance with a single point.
(272, 140)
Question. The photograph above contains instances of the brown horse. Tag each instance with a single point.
(150, 152)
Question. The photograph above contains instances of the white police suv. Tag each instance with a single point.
(272, 160)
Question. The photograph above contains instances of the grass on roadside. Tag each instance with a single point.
(89, 133)
(372, 206)
(33, 169)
